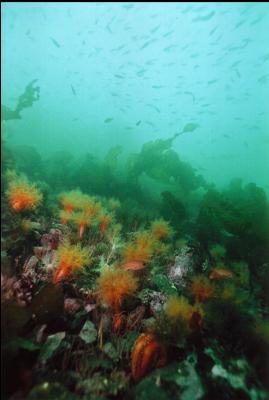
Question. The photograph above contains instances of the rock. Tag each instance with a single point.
(183, 266)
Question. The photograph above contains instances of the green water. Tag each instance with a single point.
(162, 64)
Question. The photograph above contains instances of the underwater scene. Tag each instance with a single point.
(135, 201)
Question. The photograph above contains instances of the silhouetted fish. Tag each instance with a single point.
(205, 17)
(73, 90)
(56, 44)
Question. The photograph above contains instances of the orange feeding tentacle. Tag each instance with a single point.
(62, 271)
(118, 322)
(81, 230)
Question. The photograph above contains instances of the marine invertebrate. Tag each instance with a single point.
(69, 258)
(65, 216)
(147, 353)
(23, 195)
(221, 273)
(83, 220)
(114, 284)
(161, 229)
(179, 310)
(91, 206)
(132, 252)
(178, 307)
(104, 221)
(201, 288)
(140, 248)
(71, 200)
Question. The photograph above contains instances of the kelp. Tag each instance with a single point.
(26, 99)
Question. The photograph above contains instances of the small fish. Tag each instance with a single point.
(239, 23)
(256, 20)
(237, 73)
(141, 72)
(227, 136)
(146, 44)
(205, 17)
(221, 273)
(263, 79)
(190, 127)
(107, 120)
(154, 107)
(265, 58)
(108, 28)
(73, 90)
(191, 94)
(169, 48)
(55, 42)
(212, 81)
(128, 6)
(119, 76)
(212, 31)
(138, 123)
(155, 29)
(168, 34)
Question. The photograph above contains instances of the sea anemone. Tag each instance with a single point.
(71, 200)
(114, 284)
(69, 259)
(23, 195)
(161, 229)
(178, 307)
(201, 288)
(65, 216)
(83, 220)
(91, 207)
(105, 220)
(141, 248)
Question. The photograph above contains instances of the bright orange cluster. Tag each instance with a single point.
(141, 248)
(23, 195)
(70, 258)
(161, 229)
(71, 200)
(178, 308)
(79, 208)
(113, 285)
(201, 288)
(105, 220)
